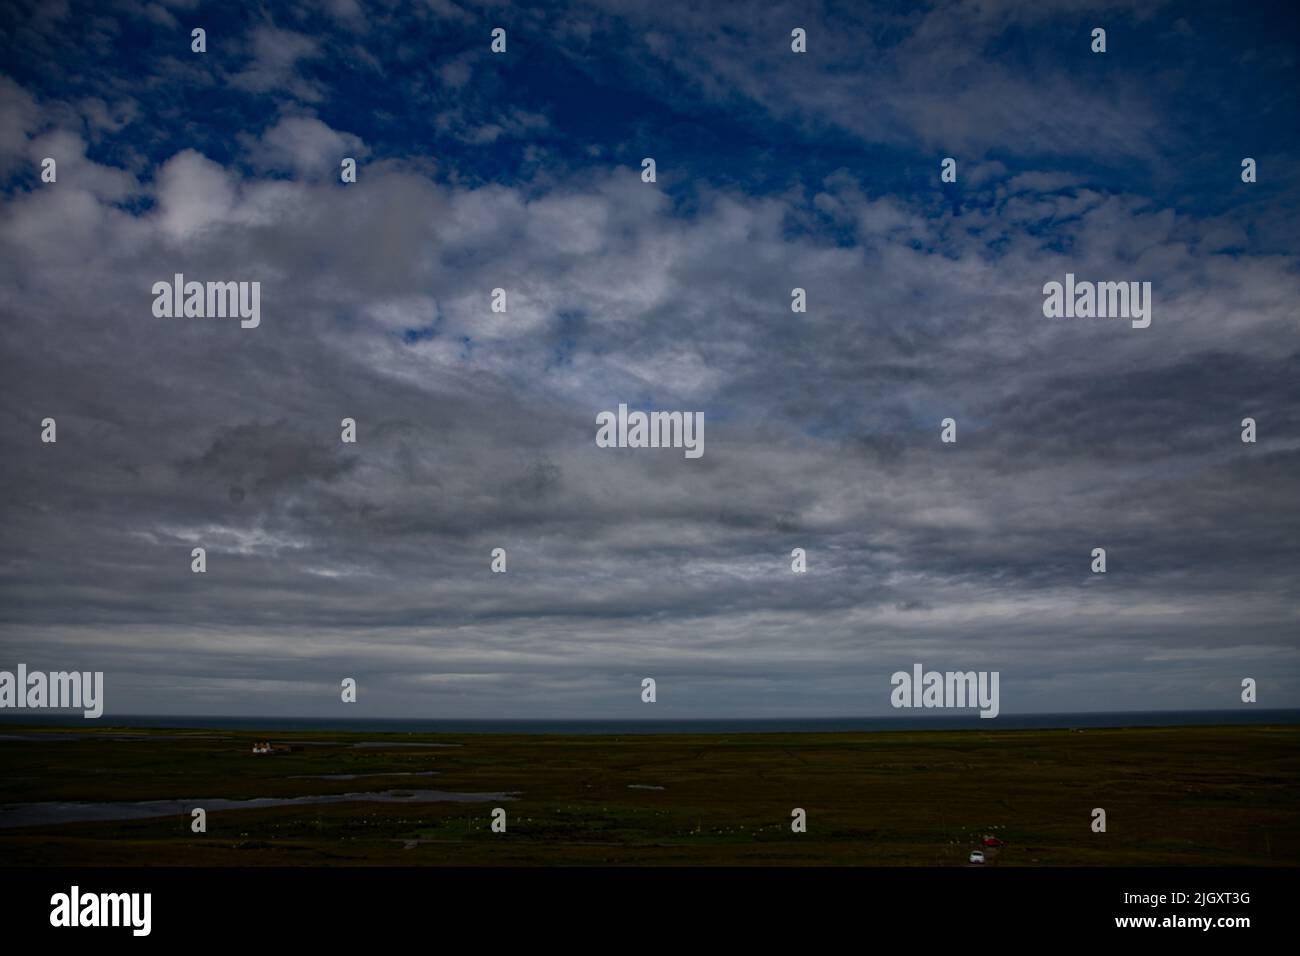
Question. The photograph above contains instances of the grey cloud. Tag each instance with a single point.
(822, 433)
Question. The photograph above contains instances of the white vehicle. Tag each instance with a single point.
(977, 856)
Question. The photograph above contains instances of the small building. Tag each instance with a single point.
(261, 748)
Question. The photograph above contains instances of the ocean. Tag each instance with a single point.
(965, 721)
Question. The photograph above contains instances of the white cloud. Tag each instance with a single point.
(194, 193)
(307, 147)
(276, 55)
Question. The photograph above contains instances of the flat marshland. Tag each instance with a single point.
(1197, 796)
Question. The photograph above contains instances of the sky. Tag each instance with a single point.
(476, 429)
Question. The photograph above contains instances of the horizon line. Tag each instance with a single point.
(911, 714)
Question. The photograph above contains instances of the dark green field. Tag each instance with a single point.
(1173, 796)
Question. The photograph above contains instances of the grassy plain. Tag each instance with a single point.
(1173, 796)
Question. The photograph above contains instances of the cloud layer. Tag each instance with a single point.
(475, 429)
